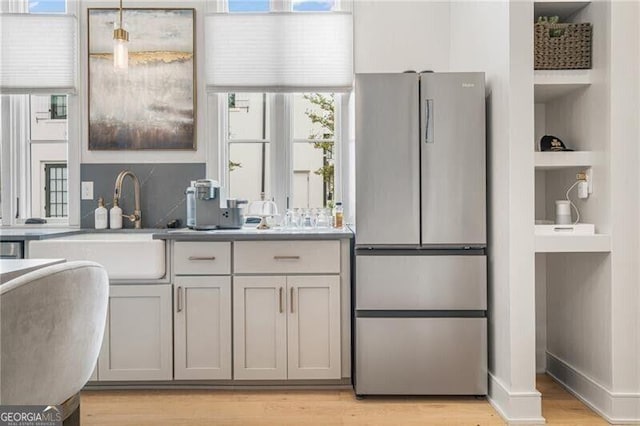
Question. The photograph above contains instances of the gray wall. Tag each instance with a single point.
(162, 191)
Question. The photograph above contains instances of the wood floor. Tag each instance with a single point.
(322, 408)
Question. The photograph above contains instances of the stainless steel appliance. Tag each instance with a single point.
(191, 204)
(208, 210)
(421, 281)
(11, 250)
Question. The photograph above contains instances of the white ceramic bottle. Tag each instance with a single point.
(115, 215)
(100, 215)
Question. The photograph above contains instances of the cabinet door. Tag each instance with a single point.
(259, 328)
(314, 327)
(202, 347)
(137, 337)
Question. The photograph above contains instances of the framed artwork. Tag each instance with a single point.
(152, 105)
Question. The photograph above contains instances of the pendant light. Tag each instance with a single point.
(120, 45)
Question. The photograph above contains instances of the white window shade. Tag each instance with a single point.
(37, 53)
(279, 52)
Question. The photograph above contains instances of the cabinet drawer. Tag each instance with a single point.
(287, 257)
(421, 282)
(202, 258)
(421, 356)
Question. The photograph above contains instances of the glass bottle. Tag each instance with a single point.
(338, 215)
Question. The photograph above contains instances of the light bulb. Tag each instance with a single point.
(120, 54)
(120, 48)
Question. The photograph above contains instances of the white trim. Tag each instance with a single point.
(614, 407)
(74, 149)
(516, 408)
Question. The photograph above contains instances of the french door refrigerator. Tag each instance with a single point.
(421, 270)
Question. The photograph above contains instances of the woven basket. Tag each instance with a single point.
(569, 51)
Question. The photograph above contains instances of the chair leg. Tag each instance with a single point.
(73, 419)
(71, 411)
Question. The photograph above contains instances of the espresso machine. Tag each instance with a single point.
(206, 210)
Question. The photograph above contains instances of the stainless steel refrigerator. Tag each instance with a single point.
(421, 270)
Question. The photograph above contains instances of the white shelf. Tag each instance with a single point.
(550, 84)
(563, 9)
(565, 159)
(573, 243)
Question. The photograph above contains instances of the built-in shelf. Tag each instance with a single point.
(563, 9)
(573, 243)
(565, 159)
(550, 84)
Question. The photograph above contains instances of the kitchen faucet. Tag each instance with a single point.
(136, 217)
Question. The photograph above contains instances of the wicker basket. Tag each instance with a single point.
(569, 51)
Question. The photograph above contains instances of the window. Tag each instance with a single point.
(310, 181)
(282, 145)
(55, 189)
(313, 5)
(58, 108)
(47, 6)
(248, 5)
(248, 141)
(313, 146)
(34, 144)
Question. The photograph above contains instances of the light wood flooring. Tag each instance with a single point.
(322, 408)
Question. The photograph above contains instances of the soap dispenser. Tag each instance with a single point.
(100, 215)
(115, 215)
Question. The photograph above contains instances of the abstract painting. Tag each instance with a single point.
(151, 105)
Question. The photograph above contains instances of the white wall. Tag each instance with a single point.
(488, 36)
(625, 203)
(401, 35)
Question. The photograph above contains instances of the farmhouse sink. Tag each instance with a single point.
(134, 256)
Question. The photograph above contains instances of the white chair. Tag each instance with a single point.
(51, 322)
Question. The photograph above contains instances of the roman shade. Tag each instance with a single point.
(279, 52)
(38, 53)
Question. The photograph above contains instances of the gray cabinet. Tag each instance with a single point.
(286, 327)
(313, 327)
(260, 328)
(202, 327)
(137, 337)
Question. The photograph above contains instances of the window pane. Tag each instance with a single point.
(248, 116)
(56, 190)
(248, 5)
(47, 6)
(313, 174)
(313, 5)
(313, 115)
(249, 170)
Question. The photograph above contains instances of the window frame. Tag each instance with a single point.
(281, 142)
(12, 174)
(281, 133)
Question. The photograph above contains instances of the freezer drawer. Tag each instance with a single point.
(421, 356)
(421, 282)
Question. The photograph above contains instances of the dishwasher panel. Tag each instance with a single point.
(11, 250)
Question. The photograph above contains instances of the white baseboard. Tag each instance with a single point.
(516, 408)
(614, 407)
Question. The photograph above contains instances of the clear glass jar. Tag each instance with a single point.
(324, 219)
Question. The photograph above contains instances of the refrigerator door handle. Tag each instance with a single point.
(428, 111)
